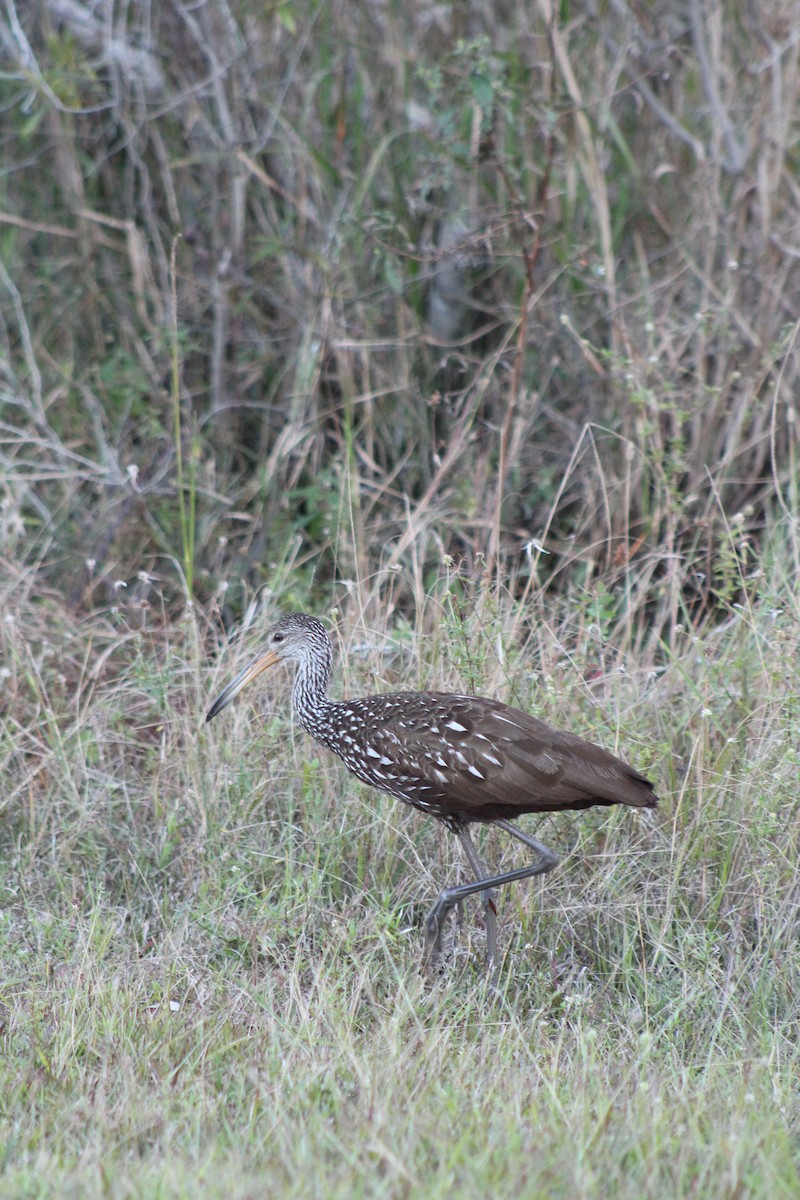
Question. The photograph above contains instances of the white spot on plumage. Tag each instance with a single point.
(491, 758)
(372, 752)
(456, 727)
(474, 771)
(547, 765)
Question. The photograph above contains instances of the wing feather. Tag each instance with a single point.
(480, 759)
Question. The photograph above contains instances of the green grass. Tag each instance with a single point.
(316, 1083)
(211, 942)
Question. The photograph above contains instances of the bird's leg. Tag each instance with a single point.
(451, 896)
(487, 898)
(542, 851)
(434, 926)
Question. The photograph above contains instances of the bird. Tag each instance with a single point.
(462, 759)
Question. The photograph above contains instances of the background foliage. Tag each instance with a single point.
(468, 280)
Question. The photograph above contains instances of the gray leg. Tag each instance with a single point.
(487, 898)
(451, 896)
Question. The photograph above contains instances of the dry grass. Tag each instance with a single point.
(478, 338)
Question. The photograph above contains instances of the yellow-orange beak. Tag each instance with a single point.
(250, 672)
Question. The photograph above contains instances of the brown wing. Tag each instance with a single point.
(469, 757)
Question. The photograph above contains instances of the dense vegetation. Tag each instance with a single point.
(472, 329)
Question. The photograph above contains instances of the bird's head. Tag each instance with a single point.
(295, 638)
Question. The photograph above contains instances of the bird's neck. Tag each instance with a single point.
(310, 694)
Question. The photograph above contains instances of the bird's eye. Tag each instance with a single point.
(277, 637)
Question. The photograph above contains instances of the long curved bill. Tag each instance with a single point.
(245, 676)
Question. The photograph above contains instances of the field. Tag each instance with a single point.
(474, 333)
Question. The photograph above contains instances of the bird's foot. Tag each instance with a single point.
(492, 975)
(432, 949)
(434, 952)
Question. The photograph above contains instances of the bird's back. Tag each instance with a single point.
(471, 759)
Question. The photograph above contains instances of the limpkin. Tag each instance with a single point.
(462, 759)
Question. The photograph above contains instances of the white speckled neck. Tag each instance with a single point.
(311, 683)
